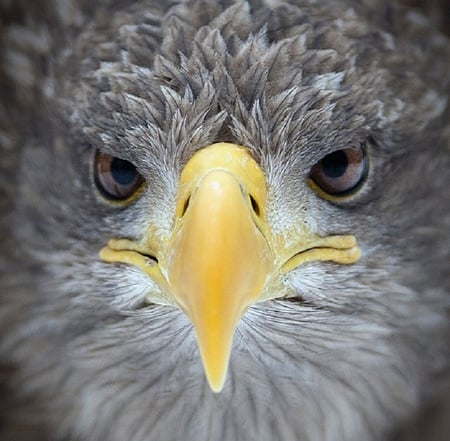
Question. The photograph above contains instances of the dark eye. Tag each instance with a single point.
(115, 178)
(340, 172)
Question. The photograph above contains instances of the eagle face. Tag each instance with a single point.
(230, 220)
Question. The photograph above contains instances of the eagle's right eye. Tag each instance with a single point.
(116, 178)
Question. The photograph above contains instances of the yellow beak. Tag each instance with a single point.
(221, 256)
(219, 259)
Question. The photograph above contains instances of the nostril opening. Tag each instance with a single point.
(185, 206)
(255, 206)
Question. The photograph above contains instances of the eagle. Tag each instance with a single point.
(222, 220)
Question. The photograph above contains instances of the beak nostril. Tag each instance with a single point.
(185, 206)
(255, 206)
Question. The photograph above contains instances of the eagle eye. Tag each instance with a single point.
(116, 178)
(340, 173)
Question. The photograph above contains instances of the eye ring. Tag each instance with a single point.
(340, 174)
(116, 179)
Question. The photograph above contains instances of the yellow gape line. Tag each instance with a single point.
(221, 253)
(127, 251)
(338, 249)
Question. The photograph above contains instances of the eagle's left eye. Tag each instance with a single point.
(116, 178)
(341, 172)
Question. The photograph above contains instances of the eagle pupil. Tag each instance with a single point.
(335, 164)
(123, 172)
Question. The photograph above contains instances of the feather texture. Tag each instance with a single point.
(348, 353)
